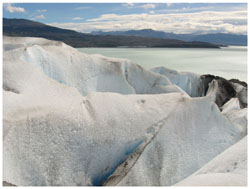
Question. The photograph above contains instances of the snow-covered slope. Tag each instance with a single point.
(81, 144)
(65, 123)
(235, 114)
(189, 82)
(87, 73)
(190, 137)
(227, 169)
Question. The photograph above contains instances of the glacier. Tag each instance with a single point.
(73, 119)
(227, 169)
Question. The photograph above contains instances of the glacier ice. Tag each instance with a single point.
(87, 73)
(72, 119)
(228, 169)
(189, 82)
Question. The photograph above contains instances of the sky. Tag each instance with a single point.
(199, 18)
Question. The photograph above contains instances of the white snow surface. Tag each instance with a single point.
(191, 136)
(87, 73)
(227, 169)
(235, 114)
(189, 82)
(64, 125)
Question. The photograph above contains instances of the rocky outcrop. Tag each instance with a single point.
(223, 90)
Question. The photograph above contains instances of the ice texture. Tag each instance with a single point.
(72, 119)
(227, 169)
(87, 73)
(189, 82)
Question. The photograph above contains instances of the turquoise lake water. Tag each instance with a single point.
(228, 62)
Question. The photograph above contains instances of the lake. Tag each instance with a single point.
(228, 62)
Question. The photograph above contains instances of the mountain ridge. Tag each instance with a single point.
(28, 28)
(215, 38)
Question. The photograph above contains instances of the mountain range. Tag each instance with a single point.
(215, 38)
(28, 28)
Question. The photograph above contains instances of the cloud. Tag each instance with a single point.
(10, 8)
(138, 5)
(129, 5)
(212, 7)
(40, 17)
(42, 10)
(169, 4)
(151, 12)
(77, 18)
(148, 6)
(195, 22)
(82, 8)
